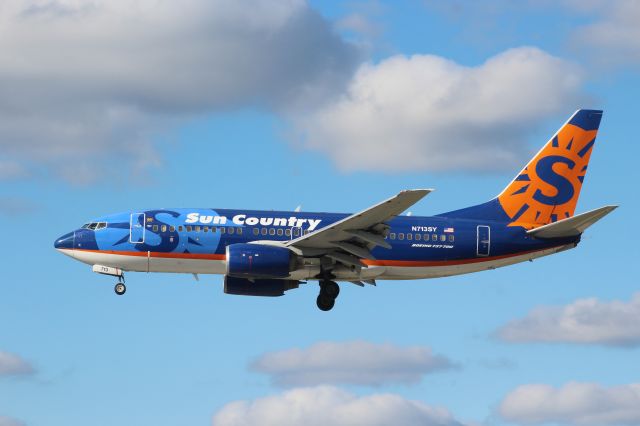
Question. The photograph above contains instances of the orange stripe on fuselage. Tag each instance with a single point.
(197, 256)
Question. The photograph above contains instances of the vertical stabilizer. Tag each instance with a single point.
(548, 187)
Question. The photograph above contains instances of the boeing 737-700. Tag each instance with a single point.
(266, 253)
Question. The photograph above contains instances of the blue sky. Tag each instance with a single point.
(103, 125)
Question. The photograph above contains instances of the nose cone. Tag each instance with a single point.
(64, 242)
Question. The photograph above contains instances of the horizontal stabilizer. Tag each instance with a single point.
(572, 226)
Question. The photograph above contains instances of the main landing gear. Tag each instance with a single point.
(329, 291)
(120, 288)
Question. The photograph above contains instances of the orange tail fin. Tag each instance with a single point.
(548, 188)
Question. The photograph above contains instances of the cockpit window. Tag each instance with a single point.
(94, 226)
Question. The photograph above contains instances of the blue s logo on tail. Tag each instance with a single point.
(564, 187)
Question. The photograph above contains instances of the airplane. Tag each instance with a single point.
(267, 253)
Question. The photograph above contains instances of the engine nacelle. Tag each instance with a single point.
(259, 261)
(269, 288)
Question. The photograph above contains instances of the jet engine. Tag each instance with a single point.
(259, 261)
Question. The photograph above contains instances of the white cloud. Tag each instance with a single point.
(13, 365)
(355, 362)
(583, 321)
(83, 83)
(614, 38)
(573, 403)
(8, 421)
(325, 405)
(426, 112)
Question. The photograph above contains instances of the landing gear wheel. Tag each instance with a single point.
(325, 302)
(120, 289)
(330, 288)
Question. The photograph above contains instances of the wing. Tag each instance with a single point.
(352, 238)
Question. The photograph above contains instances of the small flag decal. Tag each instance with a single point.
(449, 230)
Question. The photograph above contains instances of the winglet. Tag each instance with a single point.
(572, 226)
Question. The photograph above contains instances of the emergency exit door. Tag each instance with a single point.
(137, 229)
(484, 241)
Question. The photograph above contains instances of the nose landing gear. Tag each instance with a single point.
(120, 288)
(329, 291)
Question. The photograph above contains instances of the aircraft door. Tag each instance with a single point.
(484, 241)
(137, 228)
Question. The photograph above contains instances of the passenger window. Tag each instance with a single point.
(401, 236)
(239, 231)
(180, 228)
(155, 228)
(392, 235)
(263, 231)
(197, 228)
(164, 228)
(172, 229)
(188, 228)
(280, 232)
(272, 231)
(205, 229)
(222, 230)
(213, 229)
(409, 236)
(434, 237)
(418, 236)
(451, 238)
(443, 238)
(426, 237)
(296, 232)
(287, 232)
(256, 231)
(231, 230)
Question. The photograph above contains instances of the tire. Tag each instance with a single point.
(325, 303)
(120, 289)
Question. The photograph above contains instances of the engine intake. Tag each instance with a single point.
(269, 288)
(259, 261)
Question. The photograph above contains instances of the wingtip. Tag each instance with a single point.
(424, 190)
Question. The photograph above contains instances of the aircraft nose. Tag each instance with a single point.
(64, 242)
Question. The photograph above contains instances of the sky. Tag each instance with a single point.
(109, 106)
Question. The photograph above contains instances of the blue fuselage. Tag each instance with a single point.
(204, 234)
